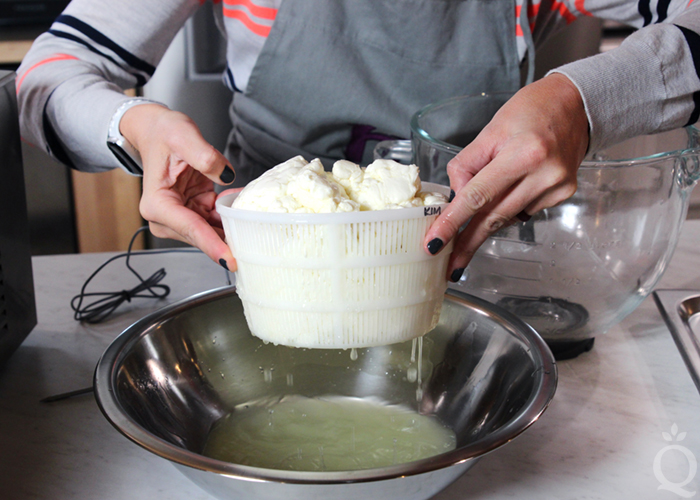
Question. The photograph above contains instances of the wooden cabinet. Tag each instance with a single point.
(106, 210)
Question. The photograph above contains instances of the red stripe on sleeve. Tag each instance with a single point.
(256, 10)
(563, 11)
(258, 29)
(57, 57)
(580, 7)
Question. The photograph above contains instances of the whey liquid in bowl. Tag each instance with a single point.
(333, 433)
(335, 259)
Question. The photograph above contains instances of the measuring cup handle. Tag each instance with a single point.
(399, 150)
(690, 168)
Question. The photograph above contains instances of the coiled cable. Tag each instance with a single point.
(107, 302)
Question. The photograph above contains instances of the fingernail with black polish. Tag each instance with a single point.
(228, 175)
(523, 216)
(456, 274)
(435, 245)
(452, 194)
(223, 264)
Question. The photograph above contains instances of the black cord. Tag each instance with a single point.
(100, 309)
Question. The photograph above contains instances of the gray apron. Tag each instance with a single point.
(334, 74)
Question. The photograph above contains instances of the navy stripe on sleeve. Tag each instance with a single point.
(53, 143)
(98, 37)
(645, 11)
(229, 81)
(695, 115)
(662, 10)
(140, 79)
(693, 40)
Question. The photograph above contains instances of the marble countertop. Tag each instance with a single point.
(602, 436)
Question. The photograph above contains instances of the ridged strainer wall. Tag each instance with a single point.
(350, 283)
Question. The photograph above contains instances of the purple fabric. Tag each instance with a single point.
(358, 141)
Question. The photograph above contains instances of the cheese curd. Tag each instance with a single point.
(298, 186)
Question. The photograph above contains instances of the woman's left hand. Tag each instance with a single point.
(179, 171)
(526, 159)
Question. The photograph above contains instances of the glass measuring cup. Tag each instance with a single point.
(575, 270)
(440, 130)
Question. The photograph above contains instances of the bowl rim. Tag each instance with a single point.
(105, 395)
(439, 144)
(592, 164)
(417, 129)
(223, 206)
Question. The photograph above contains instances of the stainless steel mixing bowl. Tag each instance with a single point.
(169, 377)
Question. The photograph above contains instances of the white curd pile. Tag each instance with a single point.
(297, 186)
(335, 259)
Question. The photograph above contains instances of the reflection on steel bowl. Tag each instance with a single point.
(170, 378)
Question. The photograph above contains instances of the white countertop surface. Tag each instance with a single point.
(599, 439)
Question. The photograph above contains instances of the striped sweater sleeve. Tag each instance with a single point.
(650, 83)
(73, 78)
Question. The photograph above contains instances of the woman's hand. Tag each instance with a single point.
(180, 169)
(523, 161)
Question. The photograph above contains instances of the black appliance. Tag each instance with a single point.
(30, 12)
(17, 301)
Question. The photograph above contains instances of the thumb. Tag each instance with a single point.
(194, 150)
(150, 126)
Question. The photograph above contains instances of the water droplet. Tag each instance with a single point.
(353, 354)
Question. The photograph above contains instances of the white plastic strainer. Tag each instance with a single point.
(337, 280)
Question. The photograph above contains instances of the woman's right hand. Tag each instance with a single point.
(179, 171)
(525, 160)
